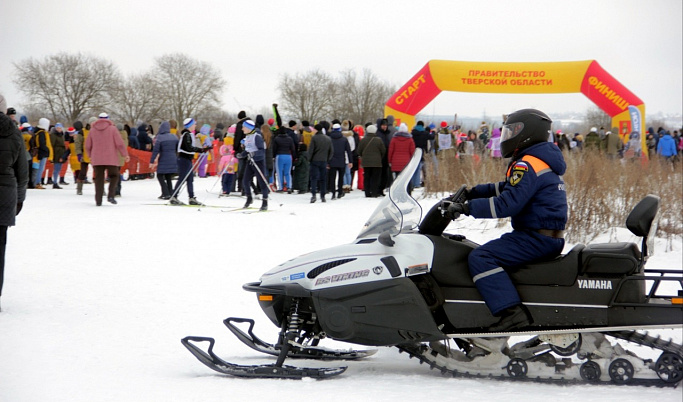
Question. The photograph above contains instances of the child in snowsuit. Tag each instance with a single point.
(533, 194)
(227, 166)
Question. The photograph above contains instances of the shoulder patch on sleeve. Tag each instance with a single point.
(516, 176)
(521, 165)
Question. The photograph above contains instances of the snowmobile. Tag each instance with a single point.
(403, 282)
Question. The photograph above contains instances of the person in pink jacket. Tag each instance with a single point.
(104, 145)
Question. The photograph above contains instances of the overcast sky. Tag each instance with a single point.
(254, 42)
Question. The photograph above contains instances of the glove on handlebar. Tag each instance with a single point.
(456, 209)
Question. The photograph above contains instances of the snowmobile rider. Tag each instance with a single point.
(534, 195)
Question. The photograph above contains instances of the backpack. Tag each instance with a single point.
(33, 145)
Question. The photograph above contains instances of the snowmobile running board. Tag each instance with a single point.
(533, 331)
(296, 350)
(212, 361)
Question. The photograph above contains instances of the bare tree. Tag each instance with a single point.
(361, 99)
(595, 117)
(307, 96)
(136, 98)
(188, 87)
(67, 85)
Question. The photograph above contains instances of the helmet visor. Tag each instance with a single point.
(511, 131)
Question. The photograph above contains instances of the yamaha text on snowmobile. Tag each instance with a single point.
(405, 283)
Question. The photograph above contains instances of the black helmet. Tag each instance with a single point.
(523, 129)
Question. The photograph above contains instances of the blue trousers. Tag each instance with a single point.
(185, 167)
(249, 173)
(487, 264)
(284, 171)
(226, 181)
(319, 177)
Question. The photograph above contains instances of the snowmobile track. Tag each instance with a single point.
(423, 353)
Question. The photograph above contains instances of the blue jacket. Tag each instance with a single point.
(533, 193)
(165, 147)
(666, 146)
(341, 150)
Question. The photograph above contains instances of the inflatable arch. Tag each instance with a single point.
(587, 77)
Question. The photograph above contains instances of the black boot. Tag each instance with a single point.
(312, 199)
(512, 318)
(62, 182)
(249, 201)
(55, 185)
(264, 205)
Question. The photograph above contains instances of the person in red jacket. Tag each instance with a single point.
(401, 149)
(104, 145)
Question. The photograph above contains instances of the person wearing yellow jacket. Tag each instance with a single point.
(82, 155)
(41, 141)
(73, 157)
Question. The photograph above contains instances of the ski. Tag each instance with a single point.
(212, 361)
(241, 209)
(296, 350)
(186, 205)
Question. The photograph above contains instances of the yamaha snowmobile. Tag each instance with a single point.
(403, 282)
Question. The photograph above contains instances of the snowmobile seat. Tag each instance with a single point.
(610, 259)
(561, 271)
(450, 262)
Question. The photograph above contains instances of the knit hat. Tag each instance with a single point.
(372, 129)
(336, 126)
(444, 124)
(3, 103)
(420, 123)
(384, 122)
(119, 127)
(403, 128)
(103, 115)
(206, 129)
(189, 122)
(60, 125)
(271, 121)
(305, 123)
(71, 130)
(44, 123)
(345, 125)
(242, 114)
(11, 111)
(231, 129)
(249, 125)
(291, 123)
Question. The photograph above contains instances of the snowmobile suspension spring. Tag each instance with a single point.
(294, 317)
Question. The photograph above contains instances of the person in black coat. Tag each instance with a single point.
(13, 179)
(341, 152)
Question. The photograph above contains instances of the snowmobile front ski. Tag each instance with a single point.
(296, 350)
(212, 361)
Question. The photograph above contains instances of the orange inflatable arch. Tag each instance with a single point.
(625, 108)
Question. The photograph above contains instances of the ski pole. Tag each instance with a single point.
(192, 169)
(253, 163)
(220, 175)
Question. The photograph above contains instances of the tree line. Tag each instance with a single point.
(69, 87)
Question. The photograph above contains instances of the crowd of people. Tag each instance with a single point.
(257, 155)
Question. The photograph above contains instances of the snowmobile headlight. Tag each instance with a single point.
(265, 297)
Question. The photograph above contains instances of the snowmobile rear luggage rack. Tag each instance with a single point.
(664, 275)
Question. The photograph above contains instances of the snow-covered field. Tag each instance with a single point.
(96, 300)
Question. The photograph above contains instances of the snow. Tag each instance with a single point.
(96, 300)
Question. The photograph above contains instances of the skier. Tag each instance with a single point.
(254, 149)
(186, 151)
(533, 194)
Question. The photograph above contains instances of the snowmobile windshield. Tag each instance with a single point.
(399, 211)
